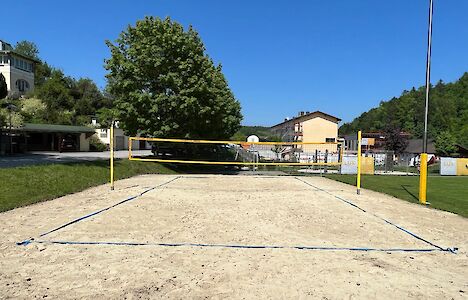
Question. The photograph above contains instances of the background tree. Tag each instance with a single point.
(33, 110)
(27, 48)
(3, 87)
(105, 116)
(165, 85)
(394, 140)
(59, 99)
(445, 144)
(42, 71)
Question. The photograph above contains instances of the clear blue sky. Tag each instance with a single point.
(280, 57)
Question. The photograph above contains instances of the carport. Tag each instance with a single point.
(48, 137)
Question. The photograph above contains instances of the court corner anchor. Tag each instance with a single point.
(24, 243)
(453, 250)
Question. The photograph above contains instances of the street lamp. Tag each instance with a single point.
(423, 164)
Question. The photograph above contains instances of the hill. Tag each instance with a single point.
(448, 113)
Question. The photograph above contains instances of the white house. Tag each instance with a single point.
(120, 139)
(17, 69)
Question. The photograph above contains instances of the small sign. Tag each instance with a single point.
(367, 142)
(448, 166)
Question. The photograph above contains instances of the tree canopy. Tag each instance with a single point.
(57, 98)
(27, 48)
(165, 84)
(448, 113)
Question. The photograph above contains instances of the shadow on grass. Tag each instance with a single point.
(415, 197)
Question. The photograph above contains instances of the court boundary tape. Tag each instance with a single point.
(452, 250)
(202, 245)
(25, 242)
(317, 248)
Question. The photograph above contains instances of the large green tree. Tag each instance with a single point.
(165, 84)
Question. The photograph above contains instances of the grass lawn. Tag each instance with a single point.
(448, 193)
(27, 185)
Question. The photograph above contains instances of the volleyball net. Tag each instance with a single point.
(211, 152)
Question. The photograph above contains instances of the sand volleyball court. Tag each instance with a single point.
(197, 236)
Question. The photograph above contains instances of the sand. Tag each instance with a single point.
(217, 212)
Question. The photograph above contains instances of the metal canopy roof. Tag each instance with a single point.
(29, 127)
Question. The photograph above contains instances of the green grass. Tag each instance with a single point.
(446, 193)
(431, 169)
(27, 185)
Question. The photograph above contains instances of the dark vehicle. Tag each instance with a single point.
(68, 143)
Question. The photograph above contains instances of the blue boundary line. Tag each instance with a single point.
(453, 250)
(32, 240)
(107, 208)
(103, 243)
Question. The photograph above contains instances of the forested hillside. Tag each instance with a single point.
(448, 113)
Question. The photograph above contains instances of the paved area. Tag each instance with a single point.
(43, 157)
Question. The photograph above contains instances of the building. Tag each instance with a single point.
(371, 141)
(17, 69)
(411, 155)
(48, 137)
(120, 139)
(316, 126)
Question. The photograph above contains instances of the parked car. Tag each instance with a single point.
(67, 144)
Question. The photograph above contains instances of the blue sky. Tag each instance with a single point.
(342, 57)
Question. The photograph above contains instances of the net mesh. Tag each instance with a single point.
(239, 153)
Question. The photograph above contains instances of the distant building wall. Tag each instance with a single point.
(84, 142)
(18, 70)
(319, 130)
(120, 139)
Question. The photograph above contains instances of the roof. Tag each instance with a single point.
(415, 146)
(308, 117)
(29, 127)
(9, 49)
(19, 54)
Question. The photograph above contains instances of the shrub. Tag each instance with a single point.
(96, 145)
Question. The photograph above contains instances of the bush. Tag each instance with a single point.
(96, 145)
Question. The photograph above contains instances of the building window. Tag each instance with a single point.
(22, 85)
(22, 64)
(4, 59)
(103, 133)
(330, 140)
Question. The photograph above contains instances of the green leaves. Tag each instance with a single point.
(448, 112)
(445, 144)
(165, 85)
(27, 48)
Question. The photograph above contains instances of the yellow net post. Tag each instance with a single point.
(111, 145)
(423, 179)
(130, 142)
(359, 163)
